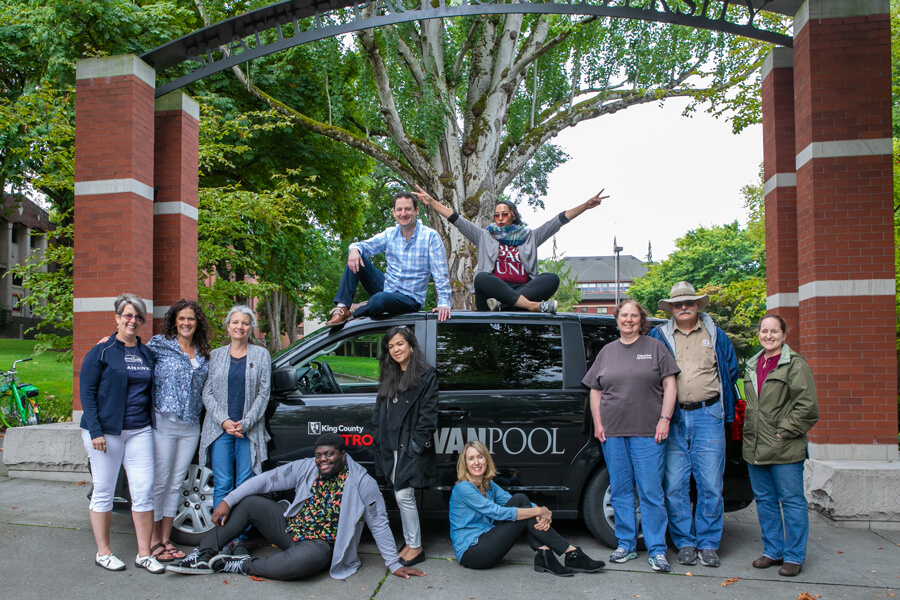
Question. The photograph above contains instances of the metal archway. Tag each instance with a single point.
(263, 31)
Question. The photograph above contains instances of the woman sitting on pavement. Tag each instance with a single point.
(781, 408)
(485, 521)
(507, 273)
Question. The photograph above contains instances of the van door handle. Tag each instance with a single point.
(453, 413)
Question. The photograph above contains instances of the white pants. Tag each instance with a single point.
(134, 450)
(409, 514)
(174, 445)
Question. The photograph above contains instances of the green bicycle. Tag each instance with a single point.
(22, 408)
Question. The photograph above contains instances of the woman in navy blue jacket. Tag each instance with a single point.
(116, 385)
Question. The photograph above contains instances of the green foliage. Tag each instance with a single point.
(568, 294)
(714, 256)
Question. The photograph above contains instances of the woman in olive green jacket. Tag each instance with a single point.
(781, 408)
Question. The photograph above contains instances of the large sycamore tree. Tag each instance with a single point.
(468, 107)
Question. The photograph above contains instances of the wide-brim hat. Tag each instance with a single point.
(682, 291)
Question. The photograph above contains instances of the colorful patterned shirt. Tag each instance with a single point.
(318, 518)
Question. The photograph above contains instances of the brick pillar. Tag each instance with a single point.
(113, 195)
(175, 209)
(780, 187)
(842, 78)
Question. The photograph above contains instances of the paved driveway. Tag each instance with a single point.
(47, 552)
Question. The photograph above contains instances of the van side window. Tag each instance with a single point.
(597, 335)
(499, 356)
(348, 366)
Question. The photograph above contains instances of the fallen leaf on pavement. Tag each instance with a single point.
(840, 551)
(804, 596)
(689, 574)
(15, 508)
(81, 483)
(255, 578)
(728, 582)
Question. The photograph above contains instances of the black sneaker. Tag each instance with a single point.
(195, 563)
(578, 561)
(239, 550)
(230, 564)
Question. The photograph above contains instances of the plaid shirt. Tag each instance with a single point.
(410, 263)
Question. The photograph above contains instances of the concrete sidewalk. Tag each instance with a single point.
(48, 549)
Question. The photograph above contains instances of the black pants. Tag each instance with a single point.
(297, 559)
(488, 285)
(493, 544)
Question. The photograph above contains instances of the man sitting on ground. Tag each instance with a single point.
(321, 527)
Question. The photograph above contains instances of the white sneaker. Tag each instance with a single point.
(493, 304)
(109, 562)
(149, 563)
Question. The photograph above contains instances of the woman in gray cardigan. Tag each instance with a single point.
(235, 396)
(507, 274)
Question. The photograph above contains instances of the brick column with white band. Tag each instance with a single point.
(175, 208)
(113, 195)
(845, 253)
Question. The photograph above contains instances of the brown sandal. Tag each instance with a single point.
(172, 551)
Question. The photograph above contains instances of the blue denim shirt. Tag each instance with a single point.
(178, 387)
(471, 514)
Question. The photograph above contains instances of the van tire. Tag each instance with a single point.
(193, 517)
(598, 513)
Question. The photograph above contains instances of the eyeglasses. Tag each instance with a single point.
(129, 317)
(685, 304)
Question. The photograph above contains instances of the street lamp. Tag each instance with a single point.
(616, 250)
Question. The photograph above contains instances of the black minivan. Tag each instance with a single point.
(510, 380)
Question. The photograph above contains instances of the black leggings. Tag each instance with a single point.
(298, 559)
(493, 544)
(488, 285)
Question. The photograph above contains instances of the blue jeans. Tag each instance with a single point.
(637, 462)
(231, 464)
(381, 302)
(696, 446)
(777, 489)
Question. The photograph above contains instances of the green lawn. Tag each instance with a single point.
(353, 366)
(53, 379)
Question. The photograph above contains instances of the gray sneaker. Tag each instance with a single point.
(709, 558)
(493, 304)
(239, 550)
(549, 306)
(622, 555)
(687, 555)
(659, 563)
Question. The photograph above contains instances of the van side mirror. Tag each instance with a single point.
(284, 381)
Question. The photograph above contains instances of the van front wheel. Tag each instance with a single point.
(599, 515)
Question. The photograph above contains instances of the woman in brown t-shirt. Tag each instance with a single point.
(633, 397)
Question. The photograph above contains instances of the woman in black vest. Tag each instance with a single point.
(403, 427)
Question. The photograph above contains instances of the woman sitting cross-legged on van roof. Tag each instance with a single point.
(485, 521)
(507, 274)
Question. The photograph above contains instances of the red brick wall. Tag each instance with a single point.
(844, 222)
(113, 232)
(175, 241)
(779, 151)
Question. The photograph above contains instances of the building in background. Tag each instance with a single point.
(23, 233)
(596, 277)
